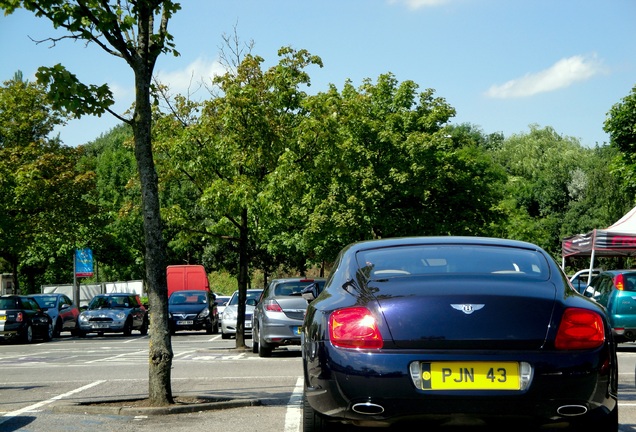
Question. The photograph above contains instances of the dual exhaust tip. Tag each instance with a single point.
(368, 408)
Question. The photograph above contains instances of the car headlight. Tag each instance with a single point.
(204, 313)
(229, 315)
(83, 318)
(120, 315)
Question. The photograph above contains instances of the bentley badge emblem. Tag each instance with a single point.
(467, 308)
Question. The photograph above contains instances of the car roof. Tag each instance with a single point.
(190, 291)
(441, 240)
(298, 279)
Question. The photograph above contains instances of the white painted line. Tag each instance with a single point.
(294, 412)
(116, 357)
(34, 407)
(184, 353)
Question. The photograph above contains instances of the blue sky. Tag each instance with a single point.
(502, 64)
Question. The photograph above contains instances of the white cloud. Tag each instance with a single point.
(189, 80)
(418, 4)
(563, 73)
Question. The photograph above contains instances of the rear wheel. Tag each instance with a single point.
(313, 421)
(27, 336)
(264, 350)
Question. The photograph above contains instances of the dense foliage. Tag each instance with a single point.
(301, 175)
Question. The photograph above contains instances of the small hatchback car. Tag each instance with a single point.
(21, 318)
(278, 316)
(193, 310)
(62, 311)
(114, 313)
(616, 290)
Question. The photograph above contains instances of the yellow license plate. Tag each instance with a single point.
(470, 376)
(3, 317)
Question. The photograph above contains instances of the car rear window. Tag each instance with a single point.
(8, 303)
(454, 259)
(294, 288)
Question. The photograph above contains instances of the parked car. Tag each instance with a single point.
(228, 322)
(114, 313)
(193, 310)
(221, 302)
(21, 318)
(279, 314)
(63, 312)
(616, 291)
(428, 329)
(581, 279)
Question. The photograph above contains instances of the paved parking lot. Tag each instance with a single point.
(35, 378)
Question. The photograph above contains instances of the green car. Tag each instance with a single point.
(616, 290)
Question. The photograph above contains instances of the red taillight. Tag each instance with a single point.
(354, 327)
(580, 329)
(19, 317)
(619, 282)
(272, 306)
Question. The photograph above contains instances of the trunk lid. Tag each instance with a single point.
(468, 312)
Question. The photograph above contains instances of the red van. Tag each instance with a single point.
(186, 277)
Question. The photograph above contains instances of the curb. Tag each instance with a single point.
(94, 408)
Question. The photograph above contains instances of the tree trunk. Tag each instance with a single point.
(160, 349)
(242, 281)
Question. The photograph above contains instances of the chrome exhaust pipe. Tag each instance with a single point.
(368, 408)
(572, 410)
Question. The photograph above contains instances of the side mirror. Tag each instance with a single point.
(64, 306)
(251, 302)
(310, 292)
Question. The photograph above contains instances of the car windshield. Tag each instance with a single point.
(222, 301)
(105, 302)
(452, 259)
(255, 295)
(189, 298)
(45, 302)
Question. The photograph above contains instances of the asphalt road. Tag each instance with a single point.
(34, 379)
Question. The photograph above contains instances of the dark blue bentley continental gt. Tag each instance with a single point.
(441, 329)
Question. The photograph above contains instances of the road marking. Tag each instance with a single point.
(117, 357)
(294, 412)
(33, 407)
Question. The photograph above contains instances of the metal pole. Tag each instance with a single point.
(76, 296)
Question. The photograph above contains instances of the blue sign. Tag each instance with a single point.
(83, 262)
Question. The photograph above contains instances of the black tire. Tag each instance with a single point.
(255, 340)
(57, 330)
(264, 350)
(128, 327)
(48, 336)
(225, 335)
(144, 328)
(27, 336)
(313, 421)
